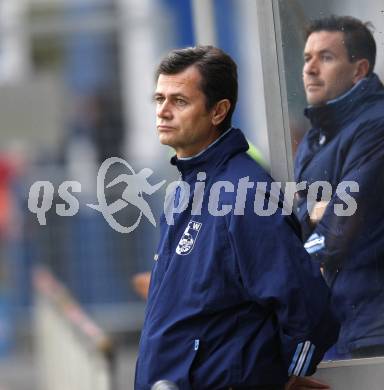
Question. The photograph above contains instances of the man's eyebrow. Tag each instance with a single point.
(173, 95)
(327, 51)
(323, 51)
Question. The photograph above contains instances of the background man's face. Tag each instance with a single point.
(327, 71)
(182, 119)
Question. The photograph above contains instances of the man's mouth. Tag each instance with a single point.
(165, 128)
(313, 85)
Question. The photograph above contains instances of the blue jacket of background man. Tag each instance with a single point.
(234, 299)
(346, 143)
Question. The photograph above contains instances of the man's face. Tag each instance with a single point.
(182, 119)
(327, 71)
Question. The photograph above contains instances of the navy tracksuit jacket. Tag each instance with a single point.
(345, 144)
(234, 300)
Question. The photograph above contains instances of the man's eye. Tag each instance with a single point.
(180, 102)
(159, 99)
(327, 58)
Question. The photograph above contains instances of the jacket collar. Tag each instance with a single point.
(348, 106)
(229, 144)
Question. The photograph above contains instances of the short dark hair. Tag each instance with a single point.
(218, 74)
(359, 40)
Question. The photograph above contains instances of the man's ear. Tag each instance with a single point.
(220, 111)
(361, 69)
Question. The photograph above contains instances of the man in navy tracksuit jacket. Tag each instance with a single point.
(346, 144)
(234, 300)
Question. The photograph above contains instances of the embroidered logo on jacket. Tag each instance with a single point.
(314, 243)
(188, 238)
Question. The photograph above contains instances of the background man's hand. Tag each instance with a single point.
(141, 282)
(318, 211)
(304, 383)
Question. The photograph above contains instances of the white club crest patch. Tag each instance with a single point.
(188, 239)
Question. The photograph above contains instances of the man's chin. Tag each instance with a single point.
(164, 140)
(315, 100)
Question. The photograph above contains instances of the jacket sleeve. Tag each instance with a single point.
(337, 238)
(278, 274)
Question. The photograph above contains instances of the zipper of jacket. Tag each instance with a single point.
(332, 283)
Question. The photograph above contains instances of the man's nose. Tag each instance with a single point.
(163, 110)
(311, 67)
